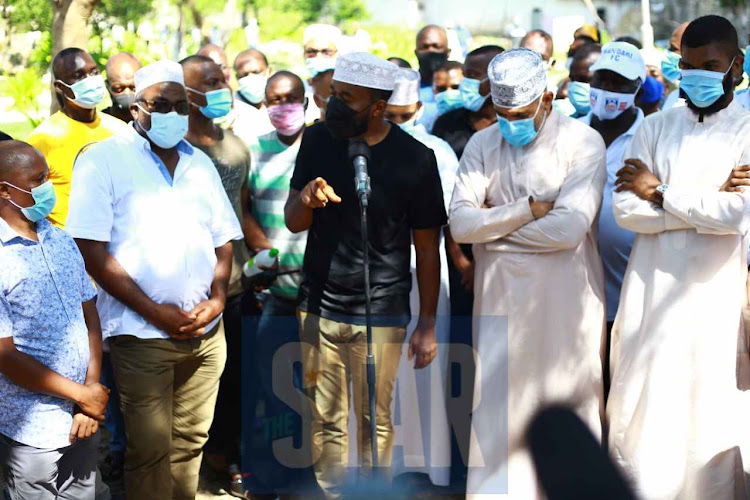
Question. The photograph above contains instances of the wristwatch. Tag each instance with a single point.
(662, 189)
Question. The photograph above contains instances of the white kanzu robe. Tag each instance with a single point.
(545, 276)
(675, 413)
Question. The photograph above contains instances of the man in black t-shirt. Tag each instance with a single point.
(406, 203)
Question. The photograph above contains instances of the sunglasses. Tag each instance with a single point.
(163, 106)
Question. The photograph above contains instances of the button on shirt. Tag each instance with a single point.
(615, 242)
(162, 230)
(42, 286)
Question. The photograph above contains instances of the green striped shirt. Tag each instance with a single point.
(270, 173)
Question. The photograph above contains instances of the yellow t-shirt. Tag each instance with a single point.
(59, 138)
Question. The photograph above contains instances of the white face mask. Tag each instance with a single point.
(607, 105)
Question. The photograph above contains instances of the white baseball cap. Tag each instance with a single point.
(622, 58)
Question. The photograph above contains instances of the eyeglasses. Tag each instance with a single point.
(163, 106)
(311, 52)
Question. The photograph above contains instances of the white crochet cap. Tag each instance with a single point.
(406, 88)
(163, 71)
(517, 78)
(322, 33)
(365, 70)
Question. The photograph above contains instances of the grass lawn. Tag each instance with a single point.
(17, 130)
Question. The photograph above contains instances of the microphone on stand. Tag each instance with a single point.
(359, 154)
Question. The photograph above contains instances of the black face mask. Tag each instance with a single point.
(343, 122)
(429, 62)
(122, 101)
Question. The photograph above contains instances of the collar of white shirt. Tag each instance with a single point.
(183, 148)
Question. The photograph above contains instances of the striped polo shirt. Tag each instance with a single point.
(270, 173)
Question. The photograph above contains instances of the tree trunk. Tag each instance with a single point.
(70, 28)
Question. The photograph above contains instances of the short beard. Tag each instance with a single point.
(714, 108)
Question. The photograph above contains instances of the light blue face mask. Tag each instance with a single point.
(320, 64)
(519, 133)
(579, 95)
(670, 66)
(88, 92)
(44, 201)
(448, 100)
(703, 87)
(253, 87)
(167, 130)
(746, 64)
(470, 96)
(218, 102)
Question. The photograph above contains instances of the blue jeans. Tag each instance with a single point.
(265, 417)
(113, 421)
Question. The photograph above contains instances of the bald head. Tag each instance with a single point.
(675, 41)
(250, 61)
(432, 38)
(15, 157)
(121, 70)
(540, 42)
(217, 54)
(122, 66)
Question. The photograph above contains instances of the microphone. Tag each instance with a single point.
(359, 154)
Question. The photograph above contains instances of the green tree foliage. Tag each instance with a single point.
(24, 88)
(26, 15)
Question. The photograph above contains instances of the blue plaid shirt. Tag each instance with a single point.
(42, 286)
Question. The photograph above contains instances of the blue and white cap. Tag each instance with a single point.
(621, 58)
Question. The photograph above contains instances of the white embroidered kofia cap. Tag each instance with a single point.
(365, 70)
(517, 78)
(406, 88)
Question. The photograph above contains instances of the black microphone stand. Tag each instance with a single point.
(363, 190)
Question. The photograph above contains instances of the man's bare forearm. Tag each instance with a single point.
(91, 316)
(222, 272)
(297, 216)
(255, 238)
(114, 279)
(25, 371)
(426, 244)
(455, 252)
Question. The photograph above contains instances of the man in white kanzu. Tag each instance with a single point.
(674, 408)
(527, 194)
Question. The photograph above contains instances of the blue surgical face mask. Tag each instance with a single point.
(167, 130)
(579, 95)
(448, 100)
(410, 126)
(670, 66)
(319, 64)
(472, 99)
(703, 87)
(88, 92)
(519, 133)
(218, 102)
(44, 201)
(746, 64)
(253, 87)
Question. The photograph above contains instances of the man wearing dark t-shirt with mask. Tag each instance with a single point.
(406, 203)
